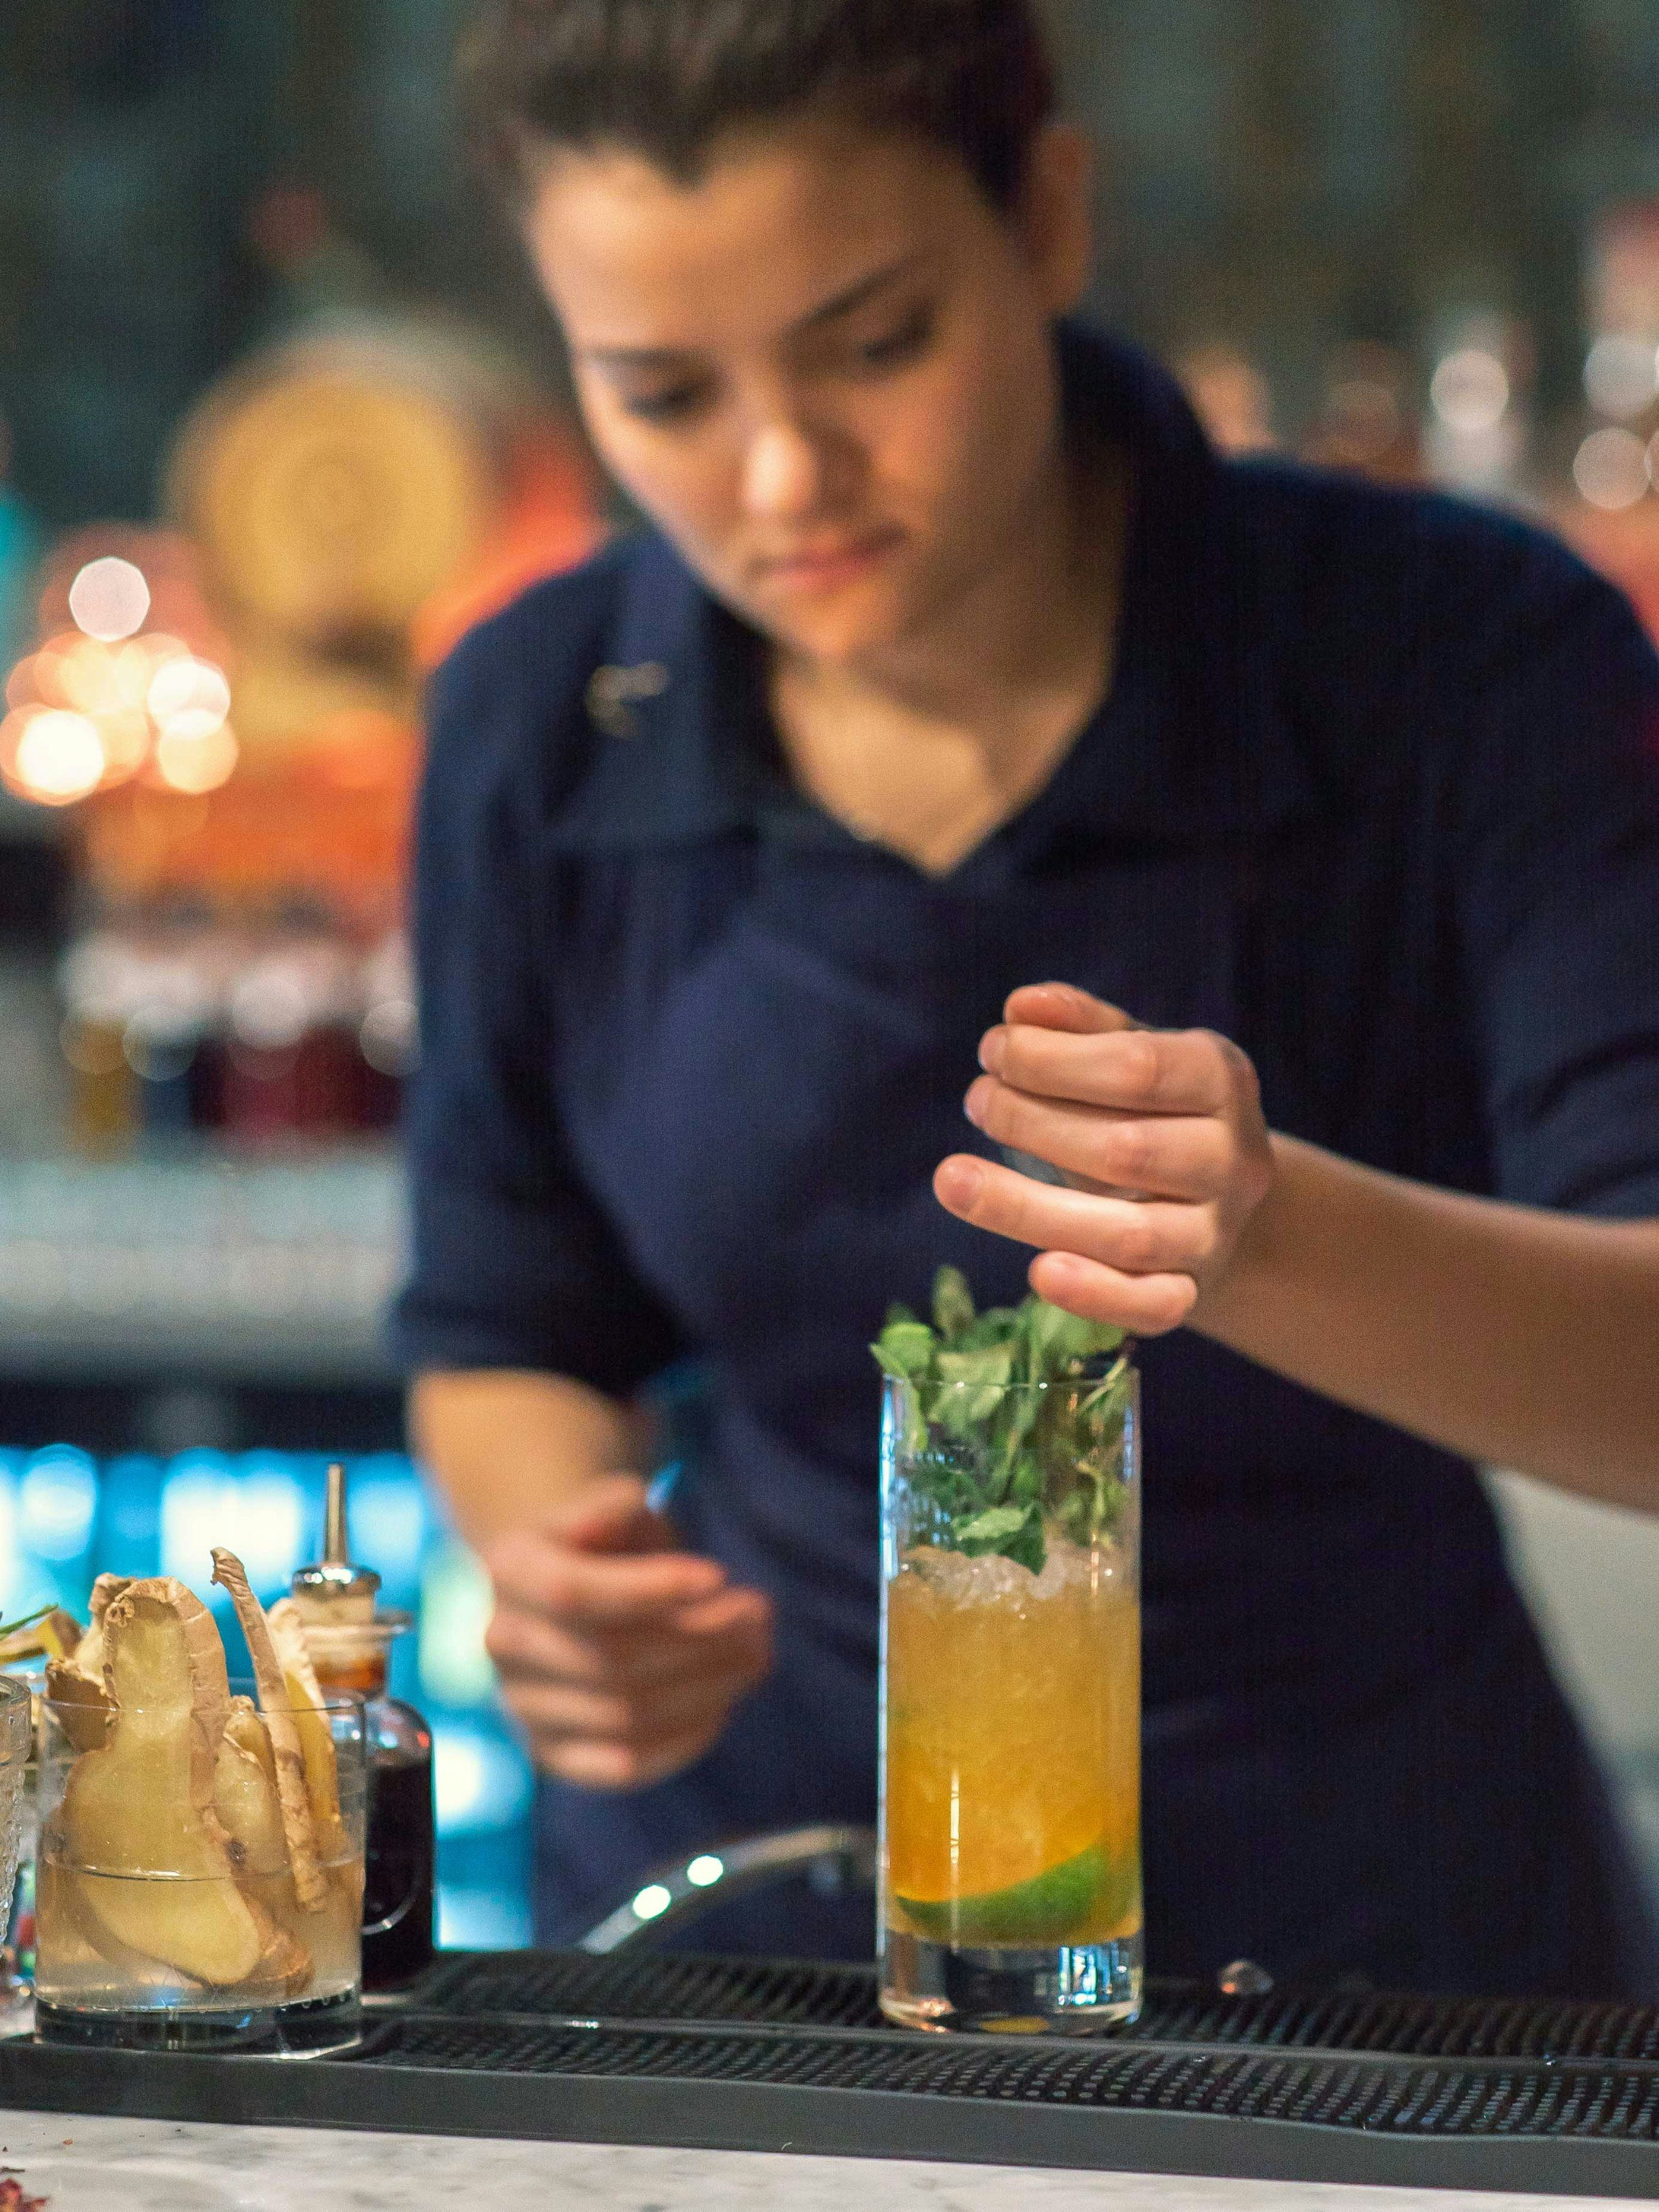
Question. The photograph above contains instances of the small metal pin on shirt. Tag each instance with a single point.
(612, 692)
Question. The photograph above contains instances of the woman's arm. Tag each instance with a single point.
(510, 1447)
(1527, 1339)
(1502, 1332)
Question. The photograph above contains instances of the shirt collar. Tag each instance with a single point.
(1192, 746)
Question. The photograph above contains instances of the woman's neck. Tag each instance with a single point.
(930, 746)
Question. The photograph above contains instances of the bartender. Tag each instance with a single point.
(952, 660)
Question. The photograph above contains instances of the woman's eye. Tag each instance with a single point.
(901, 343)
(673, 404)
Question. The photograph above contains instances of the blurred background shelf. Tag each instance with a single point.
(246, 1271)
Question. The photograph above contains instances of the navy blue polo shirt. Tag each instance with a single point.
(1376, 793)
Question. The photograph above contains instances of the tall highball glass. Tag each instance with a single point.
(1011, 1894)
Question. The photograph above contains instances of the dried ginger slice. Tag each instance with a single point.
(310, 1884)
(288, 1637)
(244, 1794)
(81, 1707)
(87, 1658)
(248, 1733)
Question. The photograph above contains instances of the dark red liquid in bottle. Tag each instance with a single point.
(398, 1888)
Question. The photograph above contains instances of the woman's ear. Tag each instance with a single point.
(1056, 215)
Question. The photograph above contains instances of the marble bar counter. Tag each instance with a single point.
(87, 2164)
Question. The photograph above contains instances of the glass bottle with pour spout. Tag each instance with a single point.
(350, 1642)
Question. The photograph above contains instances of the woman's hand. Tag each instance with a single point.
(1158, 1133)
(620, 1656)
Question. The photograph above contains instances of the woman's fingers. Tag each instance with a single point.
(611, 1735)
(1139, 1236)
(1145, 1305)
(597, 1590)
(1158, 1133)
(559, 1710)
(1063, 1007)
(524, 1641)
(1151, 1251)
(1173, 1156)
(1133, 1071)
(594, 1765)
(611, 1513)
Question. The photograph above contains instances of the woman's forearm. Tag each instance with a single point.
(510, 1446)
(1527, 1339)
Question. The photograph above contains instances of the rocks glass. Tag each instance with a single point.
(173, 1910)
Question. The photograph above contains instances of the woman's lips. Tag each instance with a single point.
(827, 568)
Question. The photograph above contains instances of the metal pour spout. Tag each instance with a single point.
(335, 1590)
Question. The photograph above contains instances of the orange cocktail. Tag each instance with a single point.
(1013, 1750)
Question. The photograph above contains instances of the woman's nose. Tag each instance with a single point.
(786, 473)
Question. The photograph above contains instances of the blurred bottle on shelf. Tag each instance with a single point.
(19, 551)
(1611, 512)
(227, 710)
(259, 1039)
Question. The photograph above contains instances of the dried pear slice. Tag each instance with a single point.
(137, 1832)
(310, 1884)
(245, 1795)
(288, 1637)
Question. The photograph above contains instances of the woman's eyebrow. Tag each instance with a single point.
(856, 294)
(843, 302)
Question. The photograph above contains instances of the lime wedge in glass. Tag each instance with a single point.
(1088, 1892)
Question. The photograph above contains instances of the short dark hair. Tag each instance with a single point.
(668, 78)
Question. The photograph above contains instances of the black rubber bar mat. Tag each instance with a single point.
(673, 1986)
(1554, 2099)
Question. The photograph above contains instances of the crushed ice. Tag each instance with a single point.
(996, 1581)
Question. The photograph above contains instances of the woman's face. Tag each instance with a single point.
(824, 369)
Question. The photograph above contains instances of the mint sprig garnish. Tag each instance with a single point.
(998, 1467)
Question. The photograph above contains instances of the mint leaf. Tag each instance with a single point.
(1015, 1532)
(985, 1531)
(953, 1303)
(904, 1350)
(975, 1386)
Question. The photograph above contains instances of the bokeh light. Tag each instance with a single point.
(1621, 376)
(1470, 390)
(54, 756)
(188, 697)
(1611, 469)
(109, 598)
(195, 761)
